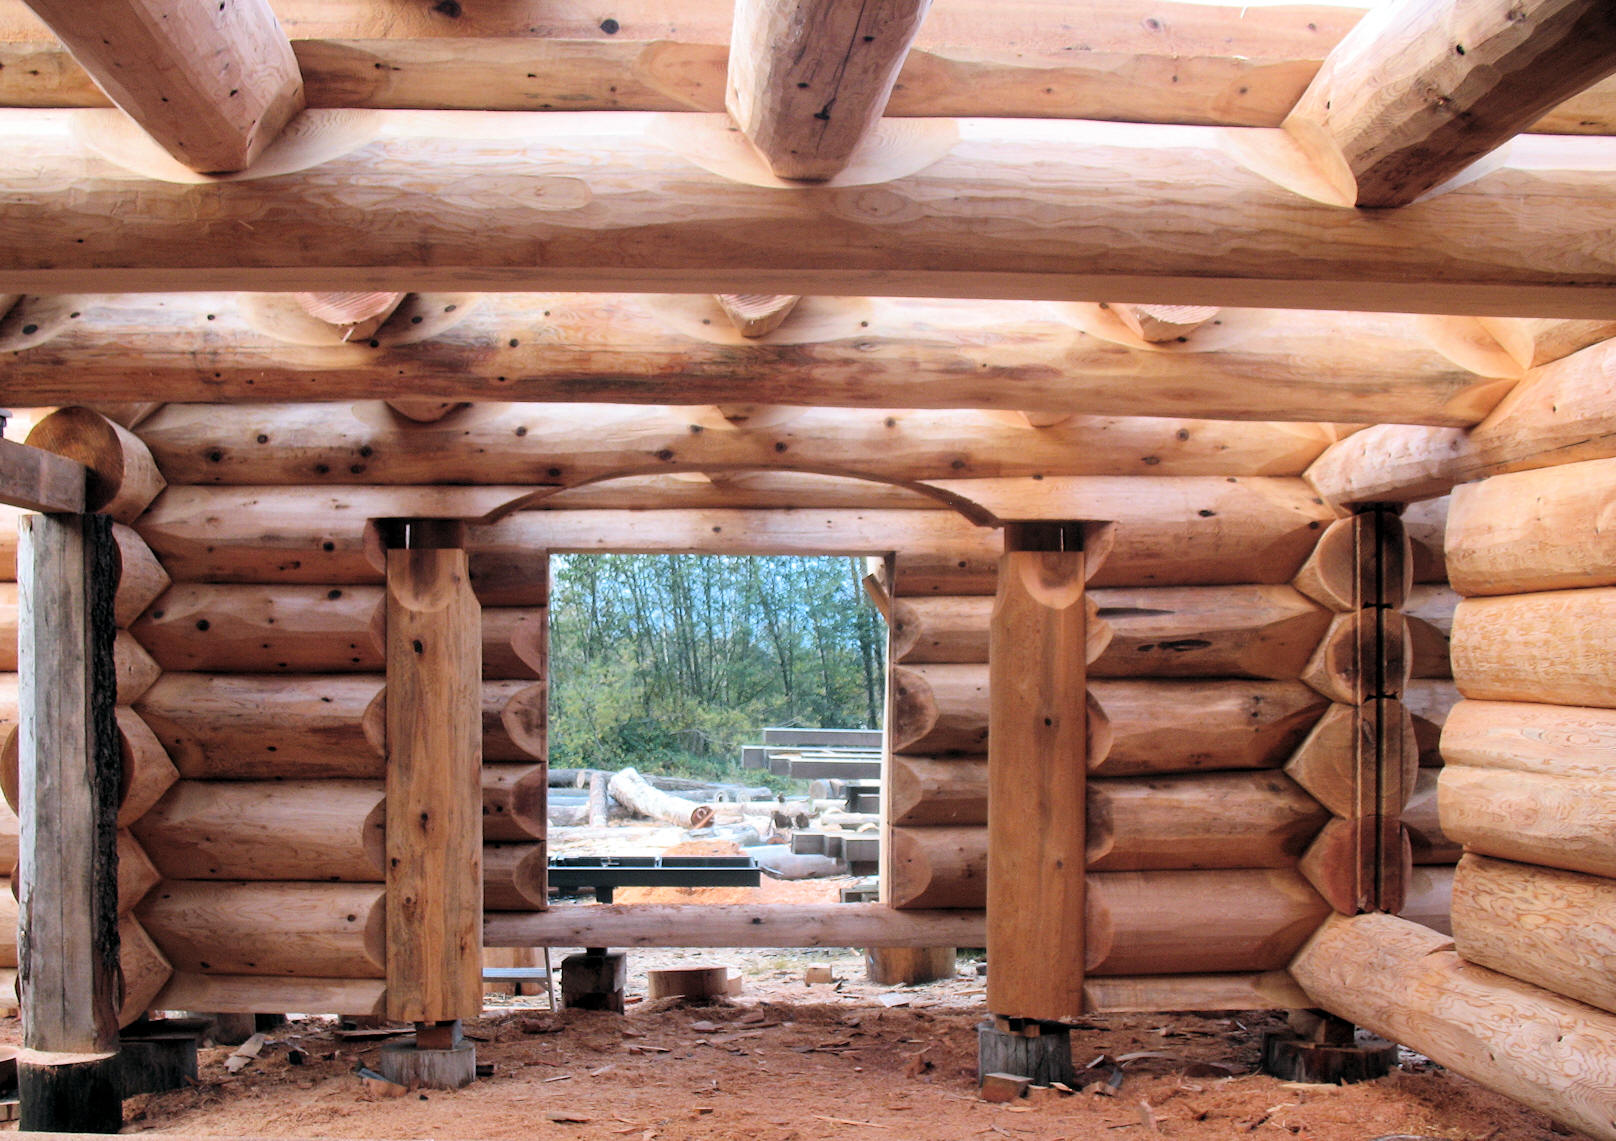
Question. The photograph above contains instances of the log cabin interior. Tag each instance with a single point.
(1223, 394)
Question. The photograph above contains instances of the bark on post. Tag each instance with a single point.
(68, 782)
(1036, 776)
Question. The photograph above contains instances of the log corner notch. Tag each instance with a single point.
(808, 79)
(1037, 765)
(434, 785)
(1470, 76)
(212, 83)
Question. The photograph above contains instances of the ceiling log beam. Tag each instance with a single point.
(1467, 76)
(213, 82)
(847, 352)
(938, 207)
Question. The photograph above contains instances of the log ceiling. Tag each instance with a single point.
(1159, 197)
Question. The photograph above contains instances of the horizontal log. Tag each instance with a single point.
(1428, 701)
(1363, 655)
(269, 994)
(268, 830)
(1540, 925)
(1422, 819)
(1547, 647)
(1147, 728)
(256, 727)
(38, 480)
(573, 445)
(939, 710)
(239, 628)
(1426, 523)
(740, 490)
(567, 196)
(1340, 749)
(302, 930)
(147, 774)
(1256, 990)
(735, 925)
(1558, 414)
(1406, 983)
(1559, 822)
(516, 719)
(1210, 820)
(1533, 530)
(122, 479)
(8, 929)
(133, 668)
(514, 801)
(1428, 900)
(141, 578)
(942, 867)
(937, 790)
(514, 877)
(1571, 742)
(144, 968)
(137, 875)
(1193, 631)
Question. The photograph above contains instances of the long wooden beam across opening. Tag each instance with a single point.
(835, 351)
(735, 925)
(1127, 60)
(938, 207)
(212, 83)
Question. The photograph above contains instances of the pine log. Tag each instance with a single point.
(1211, 820)
(515, 720)
(514, 799)
(1407, 984)
(1534, 530)
(425, 411)
(1149, 728)
(133, 667)
(515, 642)
(756, 314)
(253, 727)
(268, 830)
(937, 790)
(808, 80)
(1429, 901)
(141, 578)
(942, 867)
(8, 541)
(124, 479)
(8, 929)
(735, 925)
(268, 994)
(939, 710)
(1423, 820)
(127, 414)
(1548, 740)
(1426, 524)
(1498, 67)
(1364, 654)
(1540, 925)
(515, 877)
(633, 791)
(147, 770)
(144, 968)
(137, 875)
(264, 629)
(964, 572)
(1559, 822)
(1428, 701)
(1547, 647)
(9, 825)
(1336, 762)
(942, 180)
(1553, 339)
(741, 490)
(1264, 990)
(302, 930)
(1360, 864)
(1427, 647)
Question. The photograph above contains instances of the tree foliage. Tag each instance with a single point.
(654, 658)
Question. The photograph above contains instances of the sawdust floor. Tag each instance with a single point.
(787, 1061)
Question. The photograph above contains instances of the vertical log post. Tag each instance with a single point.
(434, 800)
(69, 767)
(1037, 760)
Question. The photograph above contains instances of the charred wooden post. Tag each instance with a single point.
(434, 801)
(1037, 763)
(69, 769)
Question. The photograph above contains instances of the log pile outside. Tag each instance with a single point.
(1227, 425)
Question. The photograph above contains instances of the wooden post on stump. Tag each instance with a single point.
(69, 768)
(434, 801)
(1031, 1048)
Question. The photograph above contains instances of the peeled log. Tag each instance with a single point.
(1364, 654)
(133, 667)
(268, 830)
(1337, 756)
(939, 709)
(1429, 898)
(1154, 727)
(245, 727)
(1424, 824)
(137, 875)
(514, 801)
(1428, 702)
(265, 994)
(1551, 648)
(8, 929)
(1426, 524)
(1549, 740)
(937, 790)
(515, 720)
(1559, 822)
(1255, 990)
(124, 479)
(225, 628)
(937, 868)
(303, 930)
(1540, 925)
(1407, 984)
(515, 641)
(1350, 556)
(632, 790)
(144, 968)
(147, 769)
(1191, 922)
(141, 578)
(1534, 530)
(515, 877)
(1212, 820)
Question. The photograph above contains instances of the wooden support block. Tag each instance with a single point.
(419, 1067)
(434, 785)
(1026, 1051)
(686, 982)
(594, 981)
(908, 966)
(1003, 1087)
(70, 1093)
(1037, 765)
(1292, 1059)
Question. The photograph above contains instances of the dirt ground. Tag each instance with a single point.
(785, 1060)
